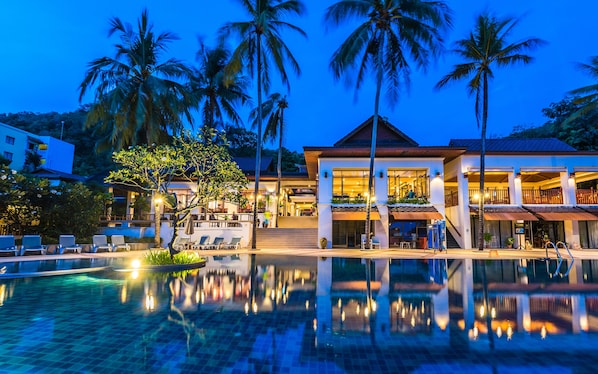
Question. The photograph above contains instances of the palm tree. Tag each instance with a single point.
(273, 108)
(390, 31)
(217, 93)
(262, 46)
(485, 47)
(138, 99)
(589, 98)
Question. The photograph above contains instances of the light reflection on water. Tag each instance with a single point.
(252, 313)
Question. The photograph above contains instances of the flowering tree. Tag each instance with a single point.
(204, 165)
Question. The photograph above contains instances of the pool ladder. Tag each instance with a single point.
(557, 247)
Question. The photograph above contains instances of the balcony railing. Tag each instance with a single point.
(451, 198)
(534, 196)
(587, 196)
(491, 196)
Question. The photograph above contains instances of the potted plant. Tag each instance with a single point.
(323, 243)
(509, 242)
(487, 238)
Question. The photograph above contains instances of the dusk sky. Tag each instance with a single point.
(46, 46)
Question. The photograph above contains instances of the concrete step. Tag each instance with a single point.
(287, 238)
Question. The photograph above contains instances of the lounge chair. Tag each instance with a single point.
(364, 241)
(375, 242)
(181, 243)
(100, 243)
(67, 243)
(32, 244)
(203, 241)
(7, 245)
(234, 243)
(118, 242)
(215, 244)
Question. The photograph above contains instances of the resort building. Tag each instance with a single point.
(21, 148)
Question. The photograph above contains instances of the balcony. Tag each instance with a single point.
(536, 196)
(491, 196)
(587, 196)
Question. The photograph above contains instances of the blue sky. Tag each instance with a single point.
(46, 46)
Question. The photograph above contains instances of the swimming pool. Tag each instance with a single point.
(252, 313)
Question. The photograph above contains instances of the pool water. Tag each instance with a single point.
(252, 314)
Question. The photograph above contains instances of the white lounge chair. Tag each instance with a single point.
(234, 243)
(215, 244)
(67, 243)
(32, 244)
(181, 243)
(7, 245)
(118, 242)
(100, 243)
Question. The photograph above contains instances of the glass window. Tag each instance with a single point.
(10, 140)
(350, 183)
(408, 184)
(8, 156)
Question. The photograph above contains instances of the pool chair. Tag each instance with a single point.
(7, 245)
(234, 243)
(375, 242)
(364, 241)
(203, 241)
(118, 243)
(100, 244)
(32, 244)
(67, 243)
(181, 243)
(215, 244)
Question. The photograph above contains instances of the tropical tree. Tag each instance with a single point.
(273, 109)
(217, 93)
(206, 167)
(588, 95)
(486, 46)
(261, 46)
(138, 98)
(390, 33)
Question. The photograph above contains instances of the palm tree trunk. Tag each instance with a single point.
(258, 150)
(279, 164)
(483, 165)
(368, 206)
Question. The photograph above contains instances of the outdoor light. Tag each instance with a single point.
(518, 176)
(325, 174)
(381, 174)
(572, 176)
(465, 175)
(437, 174)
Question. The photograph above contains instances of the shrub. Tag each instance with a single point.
(162, 257)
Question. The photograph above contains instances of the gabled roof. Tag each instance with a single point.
(247, 164)
(514, 145)
(387, 135)
(57, 175)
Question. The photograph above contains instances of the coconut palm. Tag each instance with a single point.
(487, 46)
(273, 109)
(589, 94)
(138, 99)
(217, 94)
(261, 46)
(389, 32)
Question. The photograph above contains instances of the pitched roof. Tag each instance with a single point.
(514, 145)
(387, 135)
(247, 164)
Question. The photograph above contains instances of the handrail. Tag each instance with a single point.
(559, 259)
(453, 226)
(564, 245)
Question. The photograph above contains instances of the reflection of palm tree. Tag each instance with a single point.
(261, 45)
(391, 31)
(273, 108)
(486, 46)
(138, 99)
(188, 326)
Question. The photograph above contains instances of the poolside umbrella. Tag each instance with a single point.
(189, 226)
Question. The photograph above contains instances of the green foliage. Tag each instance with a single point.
(162, 257)
(488, 237)
(407, 200)
(509, 241)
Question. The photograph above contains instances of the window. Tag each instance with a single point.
(350, 184)
(408, 184)
(10, 140)
(8, 156)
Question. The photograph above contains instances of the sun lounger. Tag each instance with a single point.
(100, 244)
(32, 244)
(181, 243)
(67, 243)
(215, 244)
(203, 241)
(234, 243)
(118, 243)
(7, 245)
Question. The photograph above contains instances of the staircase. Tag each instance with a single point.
(450, 241)
(287, 238)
